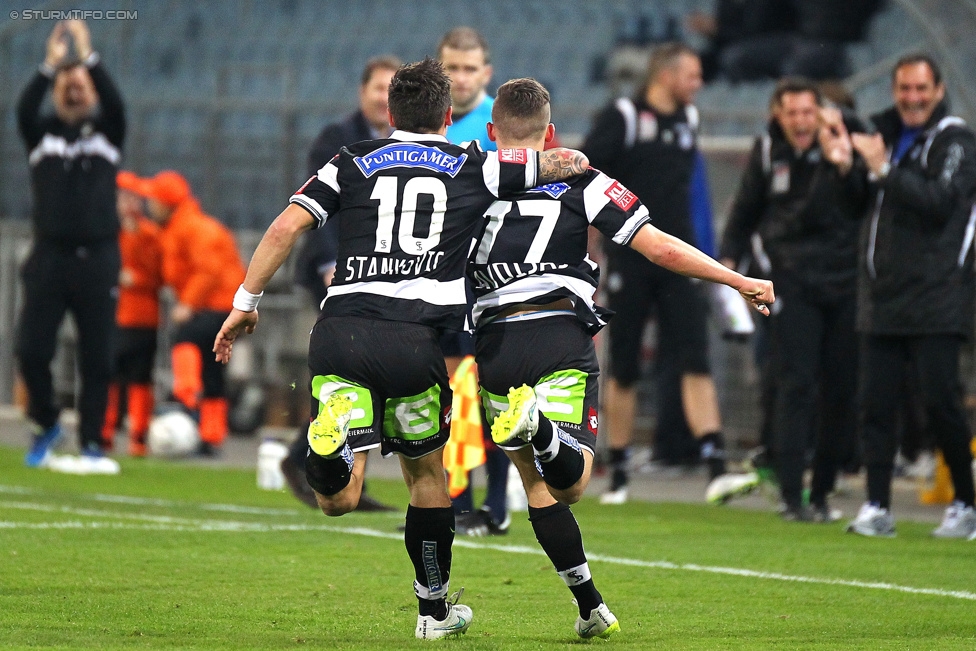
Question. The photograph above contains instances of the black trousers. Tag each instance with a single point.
(201, 330)
(82, 280)
(934, 359)
(816, 376)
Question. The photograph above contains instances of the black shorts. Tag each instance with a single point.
(553, 355)
(456, 344)
(634, 287)
(135, 354)
(395, 374)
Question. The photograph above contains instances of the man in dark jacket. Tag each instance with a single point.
(317, 257)
(801, 194)
(74, 265)
(650, 143)
(916, 286)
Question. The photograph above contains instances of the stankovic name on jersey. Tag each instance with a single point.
(499, 274)
(409, 155)
(360, 267)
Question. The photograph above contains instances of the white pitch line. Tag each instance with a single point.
(166, 523)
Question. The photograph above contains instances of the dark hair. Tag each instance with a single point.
(918, 57)
(464, 39)
(791, 85)
(383, 62)
(420, 95)
(521, 109)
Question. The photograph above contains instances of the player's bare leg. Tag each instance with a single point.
(347, 499)
(618, 413)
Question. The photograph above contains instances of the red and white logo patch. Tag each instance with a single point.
(621, 196)
(592, 421)
(512, 156)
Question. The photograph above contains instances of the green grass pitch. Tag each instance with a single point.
(171, 556)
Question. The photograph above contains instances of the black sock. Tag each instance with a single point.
(712, 447)
(428, 536)
(559, 536)
(559, 455)
(619, 458)
(329, 475)
(879, 484)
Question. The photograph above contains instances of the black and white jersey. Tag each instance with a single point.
(653, 154)
(532, 249)
(407, 208)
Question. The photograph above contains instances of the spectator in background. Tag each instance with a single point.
(803, 196)
(916, 286)
(317, 257)
(649, 144)
(466, 59)
(202, 265)
(137, 318)
(769, 39)
(464, 53)
(74, 264)
(740, 35)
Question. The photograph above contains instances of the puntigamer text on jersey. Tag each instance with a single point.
(409, 155)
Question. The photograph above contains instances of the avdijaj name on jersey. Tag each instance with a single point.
(407, 154)
(361, 267)
(498, 274)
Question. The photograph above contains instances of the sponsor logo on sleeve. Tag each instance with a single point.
(592, 421)
(554, 190)
(512, 156)
(621, 196)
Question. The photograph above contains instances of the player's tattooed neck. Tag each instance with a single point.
(560, 163)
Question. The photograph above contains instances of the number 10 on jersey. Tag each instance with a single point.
(385, 191)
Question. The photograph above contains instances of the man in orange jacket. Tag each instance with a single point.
(136, 316)
(202, 265)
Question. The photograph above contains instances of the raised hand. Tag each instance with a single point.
(82, 38)
(835, 142)
(57, 46)
(871, 148)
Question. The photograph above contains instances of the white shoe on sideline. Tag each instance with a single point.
(873, 521)
(618, 496)
(959, 521)
(86, 464)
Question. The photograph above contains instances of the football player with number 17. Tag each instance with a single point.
(407, 208)
(535, 319)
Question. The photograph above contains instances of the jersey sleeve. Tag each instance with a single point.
(612, 209)
(320, 194)
(510, 171)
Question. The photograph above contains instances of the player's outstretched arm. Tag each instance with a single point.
(560, 163)
(271, 253)
(680, 257)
